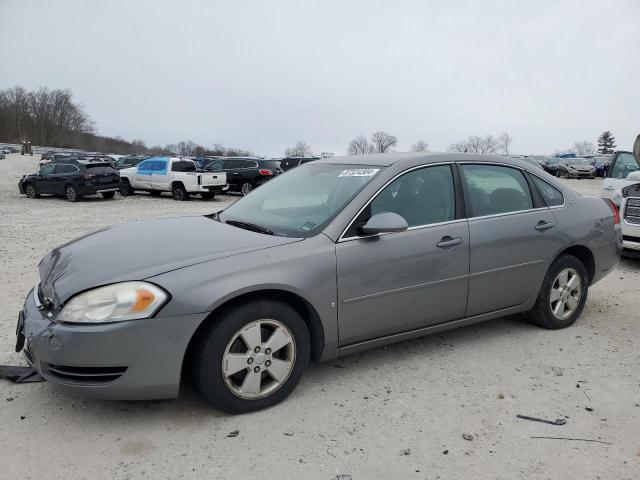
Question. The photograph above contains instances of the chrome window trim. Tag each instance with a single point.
(341, 238)
(506, 214)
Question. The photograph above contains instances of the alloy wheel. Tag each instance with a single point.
(566, 292)
(72, 196)
(31, 191)
(258, 359)
(246, 188)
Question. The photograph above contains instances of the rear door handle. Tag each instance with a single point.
(447, 242)
(542, 225)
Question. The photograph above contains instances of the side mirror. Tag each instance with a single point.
(384, 223)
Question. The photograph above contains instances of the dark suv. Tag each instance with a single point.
(72, 179)
(244, 173)
(288, 163)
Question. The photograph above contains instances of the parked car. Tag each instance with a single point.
(244, 174)
(629, 201)
(169, 174)
(130, 161)
(72, 179)
(622, 164)
(54, 157)
(575, 168)
(334, 257)
(550, 165)
(291, 162)
(2, 156)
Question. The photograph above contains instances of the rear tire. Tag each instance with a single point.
(234, 368)
(246, 188)
(179, 193)
(108, 195)
(126, 189)
(562, 297)
(71, 194)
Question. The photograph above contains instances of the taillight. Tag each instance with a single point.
(616, 211)
(265, 172)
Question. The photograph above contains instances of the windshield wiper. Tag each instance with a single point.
(250, 226)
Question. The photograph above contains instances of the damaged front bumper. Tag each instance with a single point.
(129, 360)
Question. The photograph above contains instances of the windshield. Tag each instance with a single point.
(303, 201)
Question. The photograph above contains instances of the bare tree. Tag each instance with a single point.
(584, 148)
(505, 142)
(383, 141)
(359, 146)
(420, 146)
(475, 144)
(300, 149)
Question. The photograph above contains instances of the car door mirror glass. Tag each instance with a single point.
(386, 222)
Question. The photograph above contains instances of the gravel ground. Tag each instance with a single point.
(393, 412)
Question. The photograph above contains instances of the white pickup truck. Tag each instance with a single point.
(168, 174)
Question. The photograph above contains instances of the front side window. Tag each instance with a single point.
(422, 197)
(145, 166)
(302, 202)
(551, 194)
(624, 165)
(48, 170)
(494, 189)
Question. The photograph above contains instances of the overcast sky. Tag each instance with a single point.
(263, 74)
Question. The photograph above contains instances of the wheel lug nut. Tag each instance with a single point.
(249, 360)
(256, 369)
(257, 349)
(267, 351)
(267, 363)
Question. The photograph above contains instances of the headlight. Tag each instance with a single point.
(114, 303)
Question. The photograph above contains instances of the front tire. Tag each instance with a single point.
(563, 294)
(125, 189)
(252, 357)
(31, 192)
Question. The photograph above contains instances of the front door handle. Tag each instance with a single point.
(542, 225)
(447, 242)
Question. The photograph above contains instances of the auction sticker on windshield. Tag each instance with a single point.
(359, 172)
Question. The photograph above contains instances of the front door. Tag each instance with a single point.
(44, 184)
(402, 281)
(513, 237)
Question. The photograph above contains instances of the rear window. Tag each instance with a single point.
(99, 168)
(270, 164)
(183, 166)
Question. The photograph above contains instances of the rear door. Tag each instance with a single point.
(61, 176)
(512, 234)
(159, 178)
(142, 177)
(622, 164)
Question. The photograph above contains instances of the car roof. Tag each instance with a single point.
(388, 159)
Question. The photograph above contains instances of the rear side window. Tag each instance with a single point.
(66, 169)
(551, 194)
(624, 165)
(494, 189)
(183, 166)
(215, 165)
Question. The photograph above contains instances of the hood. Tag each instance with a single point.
(582, 168)
(139, 250)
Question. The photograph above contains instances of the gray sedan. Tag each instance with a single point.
(333, 257)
